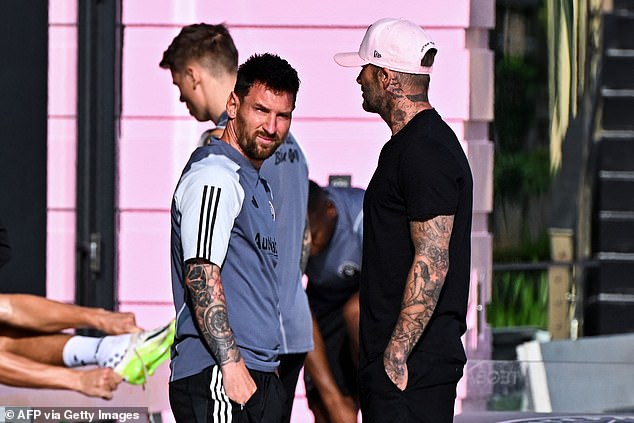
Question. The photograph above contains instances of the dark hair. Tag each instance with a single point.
(269, 70)
(428, 58)
(316, 196)
(211, 45)
(418, 81)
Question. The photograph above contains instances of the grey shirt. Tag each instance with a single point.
(222, 211)
(333, 274)
(286, 171)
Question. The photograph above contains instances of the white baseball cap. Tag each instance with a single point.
(396, 44)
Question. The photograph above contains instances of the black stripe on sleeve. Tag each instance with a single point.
(213, 219)
(200, 219)
(208, 234)
(207, 220)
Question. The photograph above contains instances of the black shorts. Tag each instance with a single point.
(337, 344)
(201, 398)
(428, 398)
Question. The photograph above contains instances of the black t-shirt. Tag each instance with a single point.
(422, 173)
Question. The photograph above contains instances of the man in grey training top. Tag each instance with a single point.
(224, 251)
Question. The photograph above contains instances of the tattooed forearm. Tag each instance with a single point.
(422, 290)
(210, 310)
(303, 261)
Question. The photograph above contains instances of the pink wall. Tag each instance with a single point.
(62, 148)
(157, 134)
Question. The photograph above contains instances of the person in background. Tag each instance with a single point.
(224, 251)
(336, 225)
(416, 238)
(35, 353)
(207, 52)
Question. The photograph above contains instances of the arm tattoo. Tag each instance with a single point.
(422, 289)
(303, 261)
(210, 310)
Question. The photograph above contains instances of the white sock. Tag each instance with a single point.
(112, 349)
(105, 352)
(80, 351)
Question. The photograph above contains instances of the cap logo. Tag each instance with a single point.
(426, 44)
(377, 55)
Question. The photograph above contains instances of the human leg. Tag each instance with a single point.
(19, 371)
(330, 373)
(190, 400)
(351, 314)
(266, 404)
(201, 398)
(290, 367)
(422, 401)
(42, 348)
(133, 356)
(438, 406)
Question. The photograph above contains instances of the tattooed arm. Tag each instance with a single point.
(303, 260)
(422, 289)
(210, 311)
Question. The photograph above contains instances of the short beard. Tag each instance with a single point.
(373, 102)
(249, 146)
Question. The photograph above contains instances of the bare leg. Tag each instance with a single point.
(20, 371)
(43, 315)
(333, 405)
(43, 348)
(351, 316)
(30, 325)
(319, 411)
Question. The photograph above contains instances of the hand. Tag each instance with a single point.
(99, 382)
(115, 323)
(237, 381)
(396, 370)
(343, 410)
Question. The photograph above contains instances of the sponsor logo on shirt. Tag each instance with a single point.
(266, 243)
(291, 155)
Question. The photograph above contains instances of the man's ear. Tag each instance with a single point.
(233, 104)
(192, 73)
(384, 76)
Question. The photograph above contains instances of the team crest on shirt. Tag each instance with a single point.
(348, 270)
(272, 210)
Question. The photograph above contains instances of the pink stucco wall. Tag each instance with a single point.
(157, 134)
(62, 148)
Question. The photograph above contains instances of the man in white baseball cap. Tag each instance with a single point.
(417, 236)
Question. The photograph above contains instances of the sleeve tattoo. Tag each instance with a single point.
(422, 289)
(305, 247)
(210, 310)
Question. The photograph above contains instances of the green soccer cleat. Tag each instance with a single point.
(146, 351)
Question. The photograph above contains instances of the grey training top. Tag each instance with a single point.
(286, 171)
(222, 212)
(333, 274)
